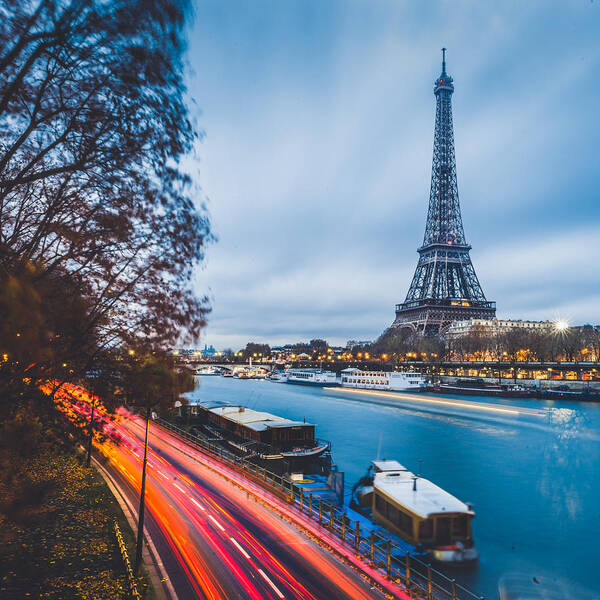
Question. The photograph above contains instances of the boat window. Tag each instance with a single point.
(459, 526)
(426, 529)
(443, 535)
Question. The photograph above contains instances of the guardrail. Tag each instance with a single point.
(419, 578)
(135, 595)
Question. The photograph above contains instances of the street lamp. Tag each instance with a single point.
(140, 531)
(561, 325)
(92, 374)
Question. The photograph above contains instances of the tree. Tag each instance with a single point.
(254, 350)
(318, 346)
(514, 341)
(398, 341)
(93, 126)
(43, 330)
(301, 348)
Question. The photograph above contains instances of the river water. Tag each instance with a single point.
(530, 468)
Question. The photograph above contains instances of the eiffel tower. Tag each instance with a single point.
(444, 287)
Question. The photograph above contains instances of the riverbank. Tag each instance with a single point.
(57, 537)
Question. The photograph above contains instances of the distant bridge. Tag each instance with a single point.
(547, 370)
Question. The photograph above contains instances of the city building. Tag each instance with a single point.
(491, 327)
(352, 344)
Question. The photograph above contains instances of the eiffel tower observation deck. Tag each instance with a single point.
(444, 287)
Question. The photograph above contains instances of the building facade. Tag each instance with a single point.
(491, 327)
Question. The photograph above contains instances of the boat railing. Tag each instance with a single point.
(405, 567)
(321, 442)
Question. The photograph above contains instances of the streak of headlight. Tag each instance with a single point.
(240, 548)
(472, 405)
(275, 588)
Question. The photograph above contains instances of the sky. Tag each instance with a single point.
(315, 163)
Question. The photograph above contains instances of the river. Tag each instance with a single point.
(530, 468)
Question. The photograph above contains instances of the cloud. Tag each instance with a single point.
(319, 121)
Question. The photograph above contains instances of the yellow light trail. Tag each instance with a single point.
(447, 402)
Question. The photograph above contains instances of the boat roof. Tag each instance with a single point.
(253, 419)
(208, 404)
(307, 370)
(388, 465)
(379, 373)
(428, 499)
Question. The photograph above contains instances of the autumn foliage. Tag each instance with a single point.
(99, 231)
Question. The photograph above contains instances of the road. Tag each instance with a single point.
(218, 540)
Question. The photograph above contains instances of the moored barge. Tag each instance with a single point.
(418, 511)
(482, 389)
(281, 444)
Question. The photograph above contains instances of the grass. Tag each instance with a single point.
(57, 538)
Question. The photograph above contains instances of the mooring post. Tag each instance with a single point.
(320, 510)
(389, 558)
(357, 536)
(429, 583)
(407, 558)
(372, 545)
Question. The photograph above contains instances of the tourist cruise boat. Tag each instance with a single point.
(382, 380)
(418, 511)
(312, 377)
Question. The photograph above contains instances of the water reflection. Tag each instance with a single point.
(533, 477)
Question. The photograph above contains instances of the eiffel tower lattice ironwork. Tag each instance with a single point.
(445, 287)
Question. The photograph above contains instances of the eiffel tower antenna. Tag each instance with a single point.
(444, 287)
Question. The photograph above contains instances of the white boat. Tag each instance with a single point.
(242, 374)
(258, 375)
(278, 376)
(312, 377)
(418, 511)
(383, 380)
(209, 370)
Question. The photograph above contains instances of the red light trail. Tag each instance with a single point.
(230, 537)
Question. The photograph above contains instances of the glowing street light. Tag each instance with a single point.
(561, 325)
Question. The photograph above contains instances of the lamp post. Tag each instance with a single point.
(140, 529)
(92, 376)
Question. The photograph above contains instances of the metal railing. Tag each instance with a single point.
(134, 593)
(419, 578)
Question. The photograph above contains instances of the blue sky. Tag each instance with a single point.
(316, 162)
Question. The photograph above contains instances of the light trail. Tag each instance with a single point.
(196, 503)
(275, 588)
(497, 408)
(216, 523)
(240, 548)
(229, 537)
